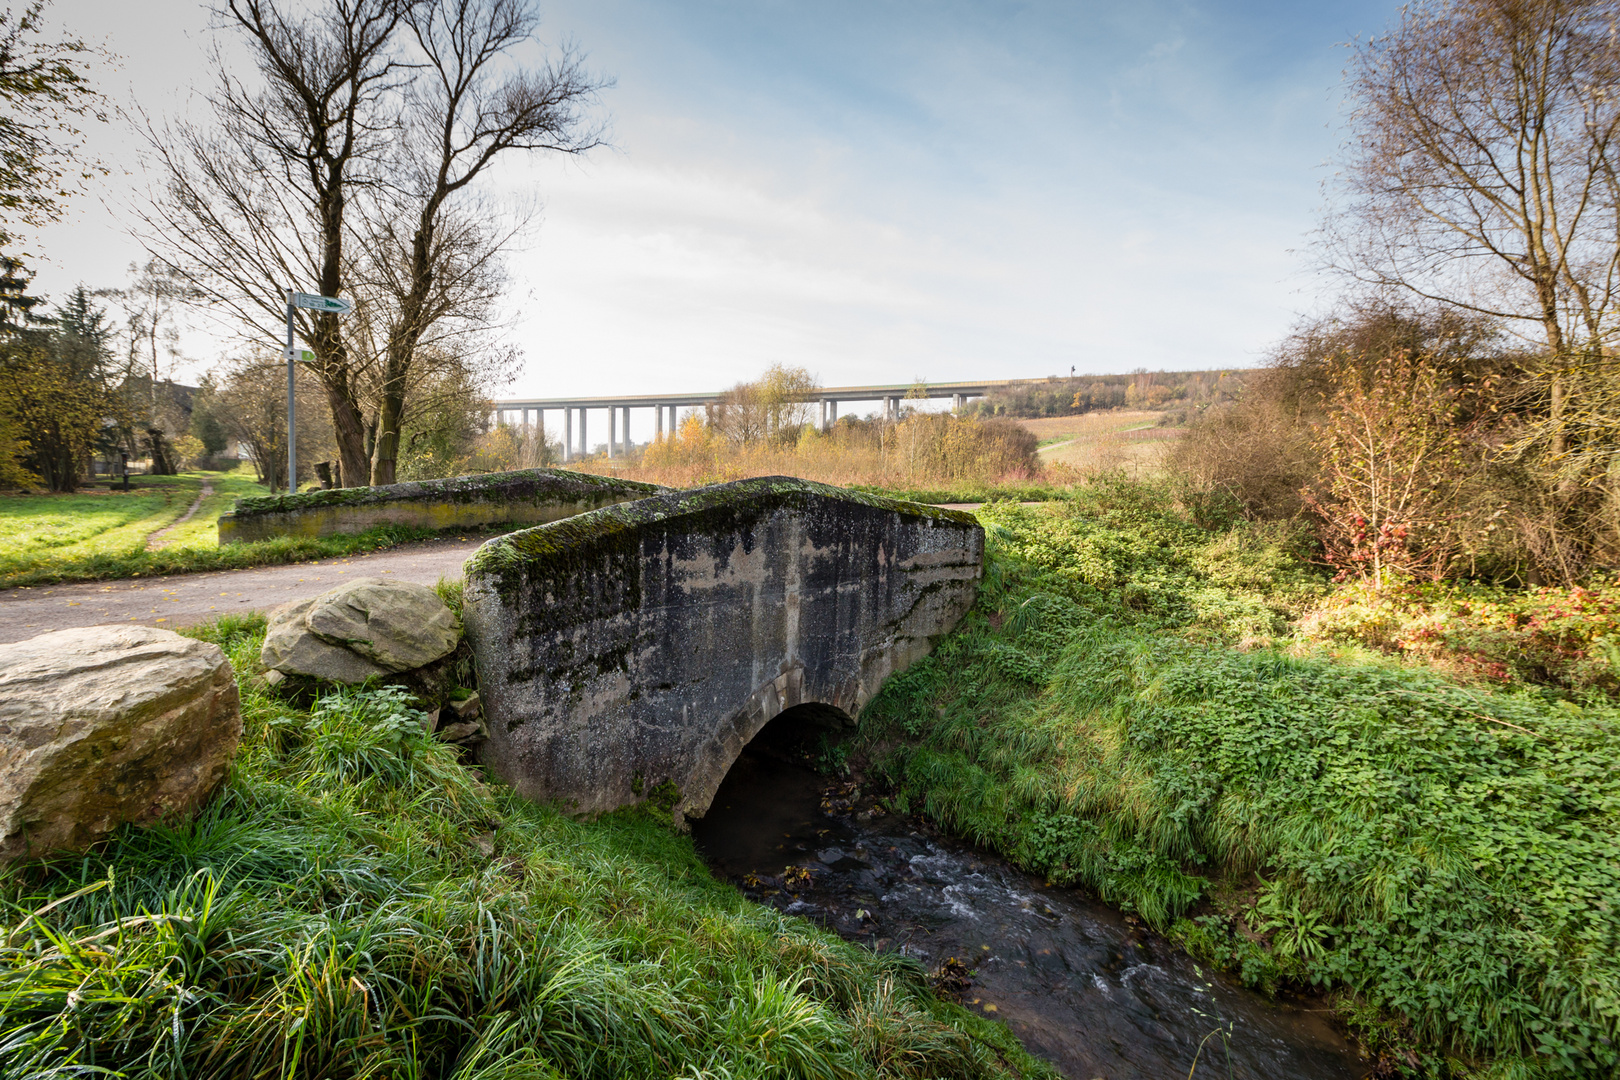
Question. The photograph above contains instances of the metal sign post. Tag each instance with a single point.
(292, 407)
(314, 302)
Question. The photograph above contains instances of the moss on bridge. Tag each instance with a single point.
(526, 496)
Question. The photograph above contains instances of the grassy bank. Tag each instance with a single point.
(45, 539)
(356, 903)
(1131, 708)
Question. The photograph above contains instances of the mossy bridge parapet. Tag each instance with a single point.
(526, 497)
(645, 644)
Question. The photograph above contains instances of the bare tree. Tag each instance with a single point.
(262, 200)
(1482, 166)
(355, 169)
(251, 404)
(1484, 172)
(777, 403)
(149, 303)
(435, 244)
(44, 93)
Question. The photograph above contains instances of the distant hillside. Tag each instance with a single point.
(1089, 393)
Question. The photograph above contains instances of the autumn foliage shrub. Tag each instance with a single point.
(920, 450)
(1565, 639)
(1395, 461)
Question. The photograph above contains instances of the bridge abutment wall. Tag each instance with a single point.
(526, 497)
(645, 644)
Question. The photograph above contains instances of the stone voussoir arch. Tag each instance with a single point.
(644, 644)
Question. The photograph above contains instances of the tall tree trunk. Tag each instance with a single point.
(391, 412)
(331, 355)
(384, 463)
(402, 344)
(349, 429)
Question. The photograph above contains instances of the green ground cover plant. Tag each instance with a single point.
(357, 903)
(1129, 710)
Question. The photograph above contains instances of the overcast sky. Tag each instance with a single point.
(878, 191)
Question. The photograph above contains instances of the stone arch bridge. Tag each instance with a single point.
(647, 643)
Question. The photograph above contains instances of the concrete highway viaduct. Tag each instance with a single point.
(666, 408)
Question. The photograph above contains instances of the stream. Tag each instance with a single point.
(1081, 985)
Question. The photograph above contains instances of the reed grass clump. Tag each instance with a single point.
(358, 903)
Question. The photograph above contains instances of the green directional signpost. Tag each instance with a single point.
(312, 302)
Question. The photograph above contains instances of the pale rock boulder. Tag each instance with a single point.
(105, 725)
(399, 625)
(362, 628)
(291, 649)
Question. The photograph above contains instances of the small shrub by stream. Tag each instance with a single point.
(1129, 709)
(356, 903)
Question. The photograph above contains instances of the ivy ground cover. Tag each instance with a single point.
(1129, 709)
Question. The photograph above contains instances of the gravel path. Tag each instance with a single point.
(185, 599)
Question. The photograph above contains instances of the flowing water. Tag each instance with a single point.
(1079, 984)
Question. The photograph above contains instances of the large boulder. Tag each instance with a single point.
(105, 725)
(363, 628)
(290, 648)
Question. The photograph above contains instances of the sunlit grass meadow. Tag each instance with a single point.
(1132, 442)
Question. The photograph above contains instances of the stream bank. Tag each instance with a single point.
(1081, 985)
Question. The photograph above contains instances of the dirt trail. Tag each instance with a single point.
(156, 540)
(185, 599)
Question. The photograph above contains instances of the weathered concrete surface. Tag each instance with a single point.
(105, 725)
(524, 497)
(649, 642)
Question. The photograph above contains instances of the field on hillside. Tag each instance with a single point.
(1127, 440)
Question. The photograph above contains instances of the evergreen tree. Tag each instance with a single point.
(59, 395)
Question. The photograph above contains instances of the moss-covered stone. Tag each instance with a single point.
(522, 497)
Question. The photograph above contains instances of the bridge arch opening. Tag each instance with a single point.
(771, 796)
